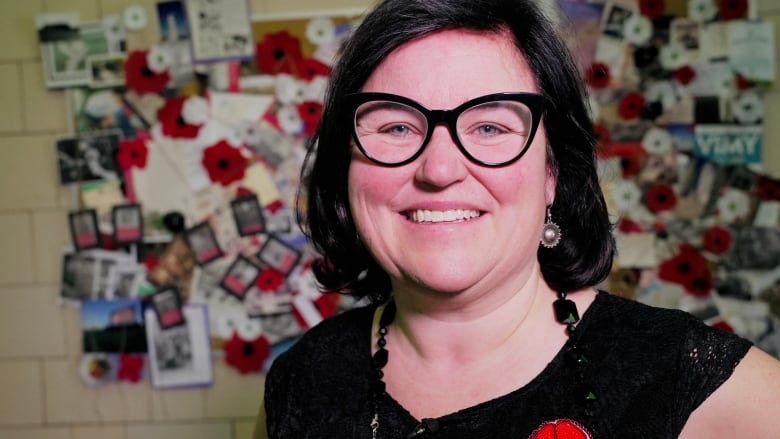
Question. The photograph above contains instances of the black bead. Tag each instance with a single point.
(566, 311)
(379, 387)
(381, 342)
(380, 358)
(383, 330)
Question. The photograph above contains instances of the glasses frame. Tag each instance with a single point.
(534, 102)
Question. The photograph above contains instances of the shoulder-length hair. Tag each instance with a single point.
(583, 257)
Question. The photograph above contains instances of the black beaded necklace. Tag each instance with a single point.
(565, 313)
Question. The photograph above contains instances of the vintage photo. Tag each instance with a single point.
(248, 215)
(124, 280)
(279, 255)
(113, 326)
(79, 272)
(180, 356)
(167, 305)
(615, 16)
(220, 29)
(203, 243)
(63, 52)
(107, 71)
(128, 223)
(84, 229)
(88, 158)
(240, 277)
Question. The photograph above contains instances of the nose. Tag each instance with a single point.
(441, 163)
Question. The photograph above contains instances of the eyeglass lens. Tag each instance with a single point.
(492, 132)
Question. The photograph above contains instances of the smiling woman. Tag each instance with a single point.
(452, 183)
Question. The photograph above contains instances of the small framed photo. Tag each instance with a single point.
(240, 276)
(279, 255)
(180, 356)
(128, 223)
(248, 215)
(84, 229)
(203, 243)
(167, 305)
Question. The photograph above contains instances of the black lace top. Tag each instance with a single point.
(649, 368)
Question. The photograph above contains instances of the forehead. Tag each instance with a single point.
(449, 67)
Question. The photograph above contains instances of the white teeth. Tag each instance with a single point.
(438, 216)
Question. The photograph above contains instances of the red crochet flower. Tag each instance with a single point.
(140, 78)
(629, 166)
(269, 280)
(560, 429)
(652, 9)
(767, 189)
(224, 163)
(631, 105)
(173, 124)
(132, 153)
(310, 112)
(602, 134)
(279, 52)
(311, 67)
(598, 75)
(733, 9)
(689, 269)
(684, 75)
(717, 240)
(130, 367)
(660, 197)
(246, 356)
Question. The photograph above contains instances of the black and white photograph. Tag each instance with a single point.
(107, 71)
(88, 158)
(79, 274)
(167, 305)
(248, 215)
(239, 277)
(84, 229)
(180, 356)
(203, 243)
(220, 30)
(686, 33)
(615, 16)
(63, 51)
(124, 280)
(127, 220)
(279, 255)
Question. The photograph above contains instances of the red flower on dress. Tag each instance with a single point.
(767, 189)
(279, 52)
(631, 105)
(311, 67)
(269, 280)
(132, 153)
(560, 429)
(130, 367)
(246, 356)
(140, 78)
(310, 112)
(224, 163)
(652, 9)
(598, 75)
(173, 124)
(684, 75)
(733, 9)
(689, 269)
(660, 197)
(717, 240)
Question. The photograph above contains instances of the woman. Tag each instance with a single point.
(478, 233)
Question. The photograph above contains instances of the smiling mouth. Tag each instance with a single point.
(422, 216)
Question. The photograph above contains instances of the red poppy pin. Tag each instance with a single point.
(689, 269)
(311, 67)
(660, 197)
(247, 356)
(133, 153)
(598, 75)
(269, 280)
(224, 163)
(310, 112)
(561, 429)
(140, 77)
(130, 367)
(652, 9)
(717, 240)
(631, 105)
(279, 52)
(684, 75)
(172, 121)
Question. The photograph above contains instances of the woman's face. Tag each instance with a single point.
(496, 248)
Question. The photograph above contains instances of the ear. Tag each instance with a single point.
(550, 182)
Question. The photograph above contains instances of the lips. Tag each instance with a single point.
(440, 216)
